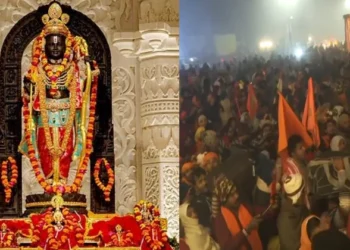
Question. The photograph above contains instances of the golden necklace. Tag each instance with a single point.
(57, 152)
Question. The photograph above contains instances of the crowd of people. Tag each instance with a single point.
(250, 134)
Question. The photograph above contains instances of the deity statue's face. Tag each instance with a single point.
(55, 46)
(118, 228)
(3, 227)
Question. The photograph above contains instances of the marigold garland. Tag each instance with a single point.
(75, 187)
(147, 229)
(8, 185)
(106, 189)
(71, 226)
(126, 241)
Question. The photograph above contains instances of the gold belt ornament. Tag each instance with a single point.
(49, 203)
(55, 105)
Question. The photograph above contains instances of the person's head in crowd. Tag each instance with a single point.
(245, 118)
(217, 86)
(230, 128)
(338, 143)
(330, 240)
(337, 112)
(196, 100)
(296, 148)
(324, 114)
(198, 180)
(243, 132)
(202, 121)
(201, 210)
(330, 127)
(344, 123)
(266, 129)
(210, 141)
(226, 194)
(211, 99)
(210, 161)
(186, 170)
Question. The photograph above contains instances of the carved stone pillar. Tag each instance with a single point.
(159, 79)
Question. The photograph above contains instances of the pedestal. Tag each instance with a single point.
(37, 203)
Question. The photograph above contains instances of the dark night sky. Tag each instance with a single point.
(252, 20)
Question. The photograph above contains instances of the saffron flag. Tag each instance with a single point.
(252, 102)
(288, 125)
(309, 116)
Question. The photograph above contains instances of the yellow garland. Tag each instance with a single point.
(8, 185)
(106, 189)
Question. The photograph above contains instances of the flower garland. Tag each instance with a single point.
(125, 241)
(106, 189)
(8, 185)
(75, 187)
(150, 230)
(69, 228)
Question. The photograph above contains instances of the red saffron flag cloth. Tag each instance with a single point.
(288, 125)
(309, 116)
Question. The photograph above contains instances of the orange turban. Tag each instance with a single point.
(210, 156)
(186, 167)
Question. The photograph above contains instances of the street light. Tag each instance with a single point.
(298, 53)
(266, 44)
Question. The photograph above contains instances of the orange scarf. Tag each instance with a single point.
(305, 242)
(244, 219)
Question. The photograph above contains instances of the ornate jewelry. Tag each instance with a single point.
(56, 152)
(54, 105)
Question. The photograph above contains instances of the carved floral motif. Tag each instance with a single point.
(159, 11)
(124, 112)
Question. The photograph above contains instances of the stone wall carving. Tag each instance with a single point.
(124, 112)
(159, 11)
(110, 16)
(151, 183)
(170, 175)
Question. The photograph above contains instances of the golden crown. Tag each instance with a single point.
(55, 21)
